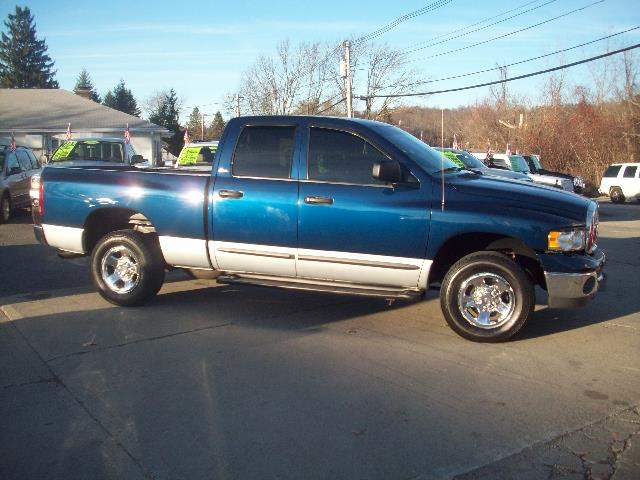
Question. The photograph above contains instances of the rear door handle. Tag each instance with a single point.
(230, 194)
(316, 200)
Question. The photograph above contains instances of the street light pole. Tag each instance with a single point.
(202, 128)
(349, 85)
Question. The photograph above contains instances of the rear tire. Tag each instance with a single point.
(486, 297)
(5, 208)
(127, 267)
(616, 195)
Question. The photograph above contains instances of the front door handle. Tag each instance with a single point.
(230, 194)
(316, 200)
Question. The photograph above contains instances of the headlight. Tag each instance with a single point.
(591, 230)
(566, 240)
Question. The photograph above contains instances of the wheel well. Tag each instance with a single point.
(106, 220)
(457, 247)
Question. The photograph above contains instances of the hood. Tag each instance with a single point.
(496, 172)
(521, 195)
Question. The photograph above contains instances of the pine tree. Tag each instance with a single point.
(84, 82)
(122, 99)
(194, 124)
(166, 113)
(24, 62)
(217, 127)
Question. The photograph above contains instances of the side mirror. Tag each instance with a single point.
(135, 159)
(388, 171)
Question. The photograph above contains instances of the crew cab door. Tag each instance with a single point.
(254, 203)
(353, 228)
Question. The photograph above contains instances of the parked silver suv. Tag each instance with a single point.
(16, 169)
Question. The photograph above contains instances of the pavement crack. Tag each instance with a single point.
(138, 341)
(34, 382)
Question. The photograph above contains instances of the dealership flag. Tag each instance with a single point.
(187, 139)
(68, 136)
(455, 142)
(127, 136)
(13, 143)
(508, 152)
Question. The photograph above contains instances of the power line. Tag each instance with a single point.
(329, 108)
(477, 23)
(403, 18)
(408, 50)
(511, 33)
(519, 77)
(510, 64)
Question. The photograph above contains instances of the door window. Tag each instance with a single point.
(264, 152)
(341, 157)
(12, 163)
(24, 160)
(630, 172)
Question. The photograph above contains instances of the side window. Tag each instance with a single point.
(34, 161)
(341, 157)
(24, 160)
(265, 152)
(612, 171)
(630, 172)
(12, 162)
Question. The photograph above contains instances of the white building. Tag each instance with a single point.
(38, 119)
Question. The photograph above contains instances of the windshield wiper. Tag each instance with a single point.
(449, 170)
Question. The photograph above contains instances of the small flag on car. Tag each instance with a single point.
(508, 152)
(68, 135)
(127, 135)
(187, 139)
(13, 143)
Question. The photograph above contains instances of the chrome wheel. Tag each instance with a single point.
(120, 269)
(486, 300)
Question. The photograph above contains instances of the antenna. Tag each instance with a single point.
(442, 157)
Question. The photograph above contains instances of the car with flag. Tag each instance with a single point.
(17, 165)
(536, 167)
(467, 161)
(92, 150)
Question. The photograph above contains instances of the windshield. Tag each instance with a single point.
(430, 160)
(519, 164)
(195, 155)
(536, 162)
(89, 150)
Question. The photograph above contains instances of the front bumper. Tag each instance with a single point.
(570, 290)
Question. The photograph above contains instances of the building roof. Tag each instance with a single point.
(51, 110)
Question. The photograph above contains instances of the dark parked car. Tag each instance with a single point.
(16, 169)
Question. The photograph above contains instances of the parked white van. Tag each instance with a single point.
(621, 181)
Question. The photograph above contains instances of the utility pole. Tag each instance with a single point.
(349, 80)
(202, 128)
(238, 98)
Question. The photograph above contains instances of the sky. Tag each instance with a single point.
(201, 48)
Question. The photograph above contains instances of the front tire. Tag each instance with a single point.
(5, 208)
(616, 195)
(487, 297)
(127, 267)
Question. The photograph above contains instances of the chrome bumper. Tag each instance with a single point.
(570, 290)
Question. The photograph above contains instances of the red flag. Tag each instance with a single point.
(187, 139)
(127, 135)
(508, 152)
(13, 143)
(456, 146)
(68, 135)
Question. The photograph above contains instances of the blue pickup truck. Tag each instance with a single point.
(329, 204)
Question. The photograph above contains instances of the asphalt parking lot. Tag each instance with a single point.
(228, 382)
